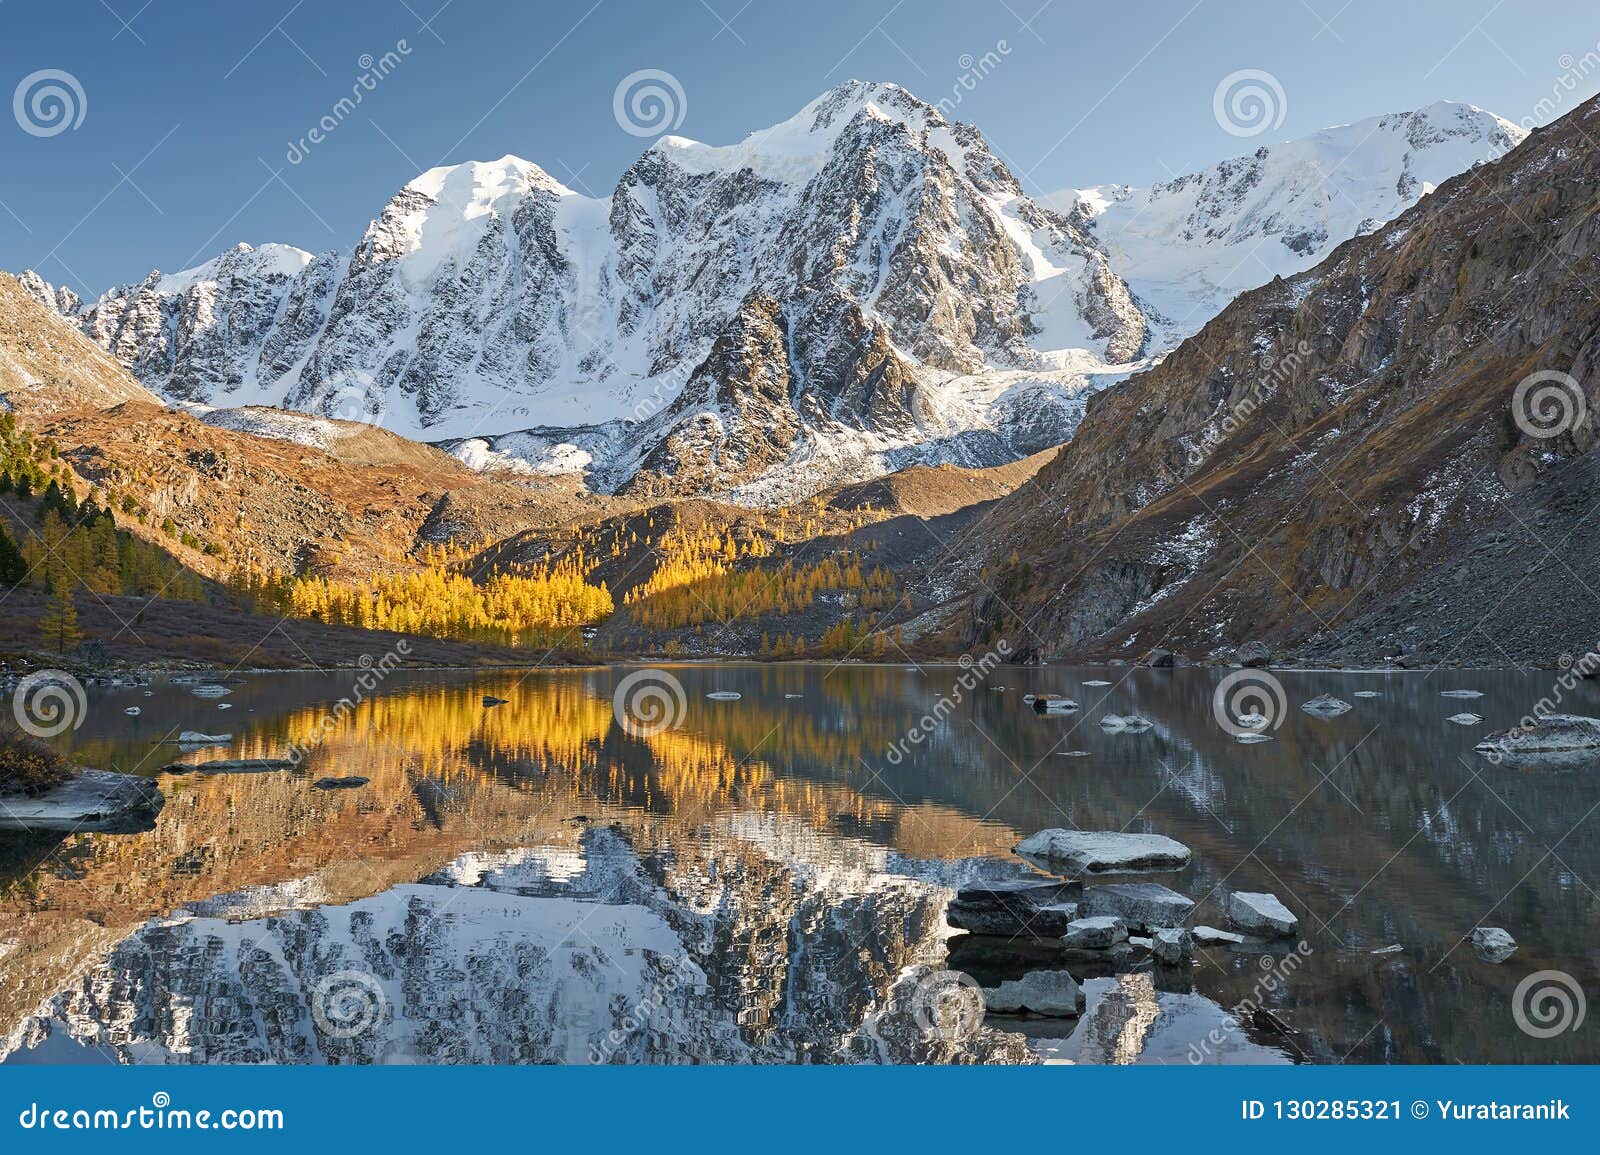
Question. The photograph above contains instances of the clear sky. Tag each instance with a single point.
(189, 108)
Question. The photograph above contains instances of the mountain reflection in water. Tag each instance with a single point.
(759, 883)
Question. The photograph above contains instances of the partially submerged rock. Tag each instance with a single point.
(211, 690)
(1097, 682)
(1261, 914)
(231, 766)
(1172, 945)
(1143, 906)
(1035, 907)
(724, 695)
(1211, 936)
(1103, 851)
(1460, 693)
(1095, 933)
(1051, 994)
(1493, 944)
(1326, 706)
(349, 782)
(1465, 719)
(196, 738)
(1125, 723)
(91, 800)
(1160, 659)
(1557, 732)
(491, 700)
(1054, 704)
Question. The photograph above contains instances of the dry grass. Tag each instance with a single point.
(27, 765)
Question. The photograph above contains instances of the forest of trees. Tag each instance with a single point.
(51, 541)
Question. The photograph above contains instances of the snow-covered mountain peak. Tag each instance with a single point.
(1189, 245)
(243, 260)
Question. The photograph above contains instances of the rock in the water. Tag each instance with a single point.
(1261, 914)
(91, 800)
(1054, 704)
(1103, 851)
(1493, 944)
(133, 711)
(1097, 682)
(1211, 936)
(350, 782)
(491, 700)
(1143, 906)
(1252, 737)
(1557, 732)
(231, 766)
(196, 738)
(1326, 706)
(1392, 948)
(1034, 907)
(1253, 654)
(1460, 693)
(1366, 694)
(1160, 659)
(1095, 933)
(1051, 994)
(210, 690)
(1465, 719)
(1172, 945)
(724, 695)
(1125, 723)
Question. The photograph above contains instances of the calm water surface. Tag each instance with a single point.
(760, 882)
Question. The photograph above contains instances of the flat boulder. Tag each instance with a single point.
(1143, 906)
(1211, 936)
(91, 800)
(1465, 719)
(1049, 994)
(1095, 933)
(1492, 944)
(1261, 914)
(231, 766)
(1547, 735)
(1326, 706)
(350, 782)
(1103, 851)
(1036, 907)
(1053, 704)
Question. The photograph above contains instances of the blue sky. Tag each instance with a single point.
(190, 108)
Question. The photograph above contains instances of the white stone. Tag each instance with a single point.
(1261, 914)
(1211, 936)
(1172, 945)
(1104, 851)
(1095, 933)
(1144, 906)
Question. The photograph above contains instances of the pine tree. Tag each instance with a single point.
(13, 566)
(59, 625)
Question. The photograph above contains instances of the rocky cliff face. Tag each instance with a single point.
(1331, 439)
